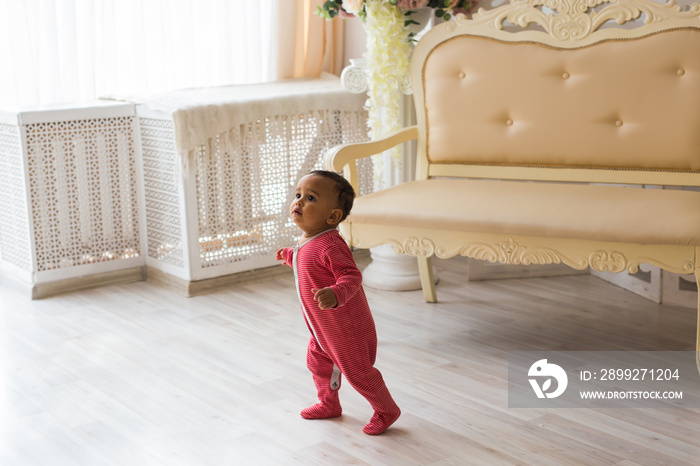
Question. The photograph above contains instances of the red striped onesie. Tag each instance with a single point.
(344, 336)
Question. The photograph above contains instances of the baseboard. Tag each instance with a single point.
(158, 277)
(677, 290)
(117, 277)
(483, 270)
(194, 288)
(646, 283)
(201, 287)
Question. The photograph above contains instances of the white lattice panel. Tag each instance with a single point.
(679, 290)
(237, 189)
(72, 189)
(14, 221)
(162, 190)
(244, 189)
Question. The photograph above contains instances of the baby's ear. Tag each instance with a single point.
(334, 217)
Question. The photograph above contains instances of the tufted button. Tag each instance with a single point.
(565, 75)
(462, 75)
(509, 122)
(618, 123)
(680, 72)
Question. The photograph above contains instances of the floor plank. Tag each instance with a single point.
(135, 374)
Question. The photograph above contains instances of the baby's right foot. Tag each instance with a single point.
(381, 422)
(321, 411)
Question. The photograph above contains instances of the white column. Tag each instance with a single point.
(388, 270)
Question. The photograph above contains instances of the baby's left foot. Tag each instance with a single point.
(381, 422)
(322, 411)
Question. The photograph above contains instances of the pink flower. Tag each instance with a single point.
(353, 7)
(412, 4)
(468, 12)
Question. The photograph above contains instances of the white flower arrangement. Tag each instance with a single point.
(389, 46)
(388, 54)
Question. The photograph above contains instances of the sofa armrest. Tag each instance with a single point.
(343, 156)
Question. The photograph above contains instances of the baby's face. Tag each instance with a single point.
(315, 205)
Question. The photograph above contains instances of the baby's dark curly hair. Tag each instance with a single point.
(346, 193)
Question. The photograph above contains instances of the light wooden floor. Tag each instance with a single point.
(136, 375)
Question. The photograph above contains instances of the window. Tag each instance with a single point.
(57, 51)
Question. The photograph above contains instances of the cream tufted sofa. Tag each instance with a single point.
(521, 134)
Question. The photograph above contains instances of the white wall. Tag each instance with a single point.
(355, 38)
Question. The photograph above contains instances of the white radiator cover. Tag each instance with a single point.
(223, 207)
(70, 192)
(86, 191)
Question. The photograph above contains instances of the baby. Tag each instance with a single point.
(329, 284)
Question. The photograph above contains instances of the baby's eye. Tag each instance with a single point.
(311, 198)
(297, 196)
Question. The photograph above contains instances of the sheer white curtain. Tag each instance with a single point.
(57, 51)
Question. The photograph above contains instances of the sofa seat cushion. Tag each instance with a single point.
(578, 211)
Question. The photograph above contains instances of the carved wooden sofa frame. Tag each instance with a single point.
(520, 133)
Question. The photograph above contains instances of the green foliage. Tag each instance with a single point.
(330, 9)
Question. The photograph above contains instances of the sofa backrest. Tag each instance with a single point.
(605, 100)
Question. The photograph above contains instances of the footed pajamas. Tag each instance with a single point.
(343, 338)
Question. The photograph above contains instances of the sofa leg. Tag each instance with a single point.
(427, 280)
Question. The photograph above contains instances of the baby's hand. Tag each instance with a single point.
(278, 256)
(326, 298)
